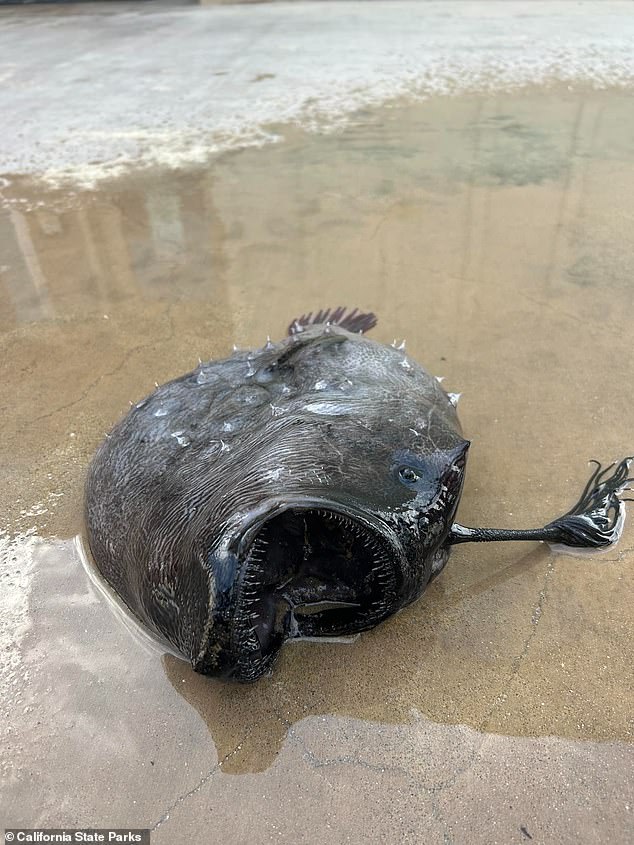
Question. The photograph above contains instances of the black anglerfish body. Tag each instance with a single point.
(305, 489)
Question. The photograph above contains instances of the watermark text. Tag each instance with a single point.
(50, 836)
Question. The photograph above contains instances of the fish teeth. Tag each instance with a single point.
(454, 398)
(439, 379)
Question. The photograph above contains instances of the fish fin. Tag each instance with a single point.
(353, 321)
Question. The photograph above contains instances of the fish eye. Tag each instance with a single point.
(408, 475)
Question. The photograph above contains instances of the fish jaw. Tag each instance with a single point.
(307, 566)
(301, 568)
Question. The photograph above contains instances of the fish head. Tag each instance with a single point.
(350, 532)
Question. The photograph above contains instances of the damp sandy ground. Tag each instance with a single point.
(493, 232)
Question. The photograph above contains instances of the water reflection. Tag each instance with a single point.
(449, 183)
(152, 242)
(25, 287)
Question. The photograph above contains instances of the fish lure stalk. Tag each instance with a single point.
(594, 522)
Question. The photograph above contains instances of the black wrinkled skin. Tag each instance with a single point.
(323, 429)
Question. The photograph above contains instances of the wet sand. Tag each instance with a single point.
(494, 234)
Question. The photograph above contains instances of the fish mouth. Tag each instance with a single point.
(309, 571)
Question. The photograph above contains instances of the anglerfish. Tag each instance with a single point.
(305, 489)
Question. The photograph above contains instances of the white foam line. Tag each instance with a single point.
(170, 87)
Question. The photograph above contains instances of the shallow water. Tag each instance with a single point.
(494, 234)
